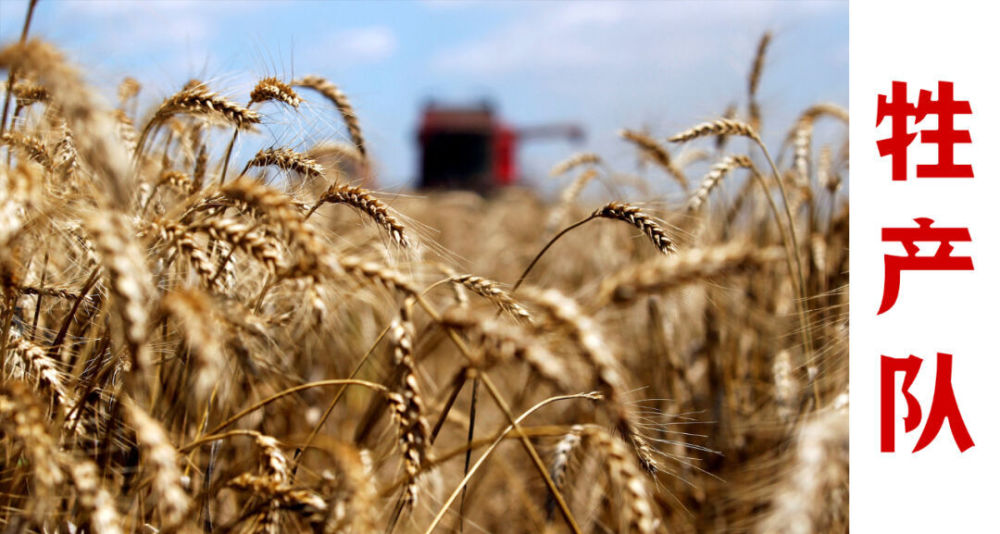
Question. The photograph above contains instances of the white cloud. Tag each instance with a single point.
(351, 47)
(598, 35)
(541, 40)
(365, 45)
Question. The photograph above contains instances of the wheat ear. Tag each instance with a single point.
(32, 146)
(492, 291)
(564, 312)
(716, 127)
(131, 281)
(503, 342)
(712, 179)
(638, 218)
(657, 152)
(788, 235)
(663, 274)
(285, 159)
(366, 202)
(407, 403)
(753, 80)
(127, 90)
(160, 457)
(23, 418)
(83, 110)
(333, 93)
(817, 472)
(638, 511)
(198, 100)
(614, 210)
(273, 89)
(574, 161)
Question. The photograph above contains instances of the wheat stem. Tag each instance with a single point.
(486, 454)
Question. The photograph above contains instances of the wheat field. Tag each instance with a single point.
(192, 341)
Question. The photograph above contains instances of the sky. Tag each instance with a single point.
(604, 65)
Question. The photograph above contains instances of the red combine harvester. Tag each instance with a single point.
(469, 147)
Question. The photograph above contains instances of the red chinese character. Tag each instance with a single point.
(898, 110)
(943, 405)
(942, 260)
(945, 136)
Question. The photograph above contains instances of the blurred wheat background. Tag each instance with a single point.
(218, 315)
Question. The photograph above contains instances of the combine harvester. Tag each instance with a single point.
(469, 147)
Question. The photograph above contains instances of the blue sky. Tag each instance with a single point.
(605, 65)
